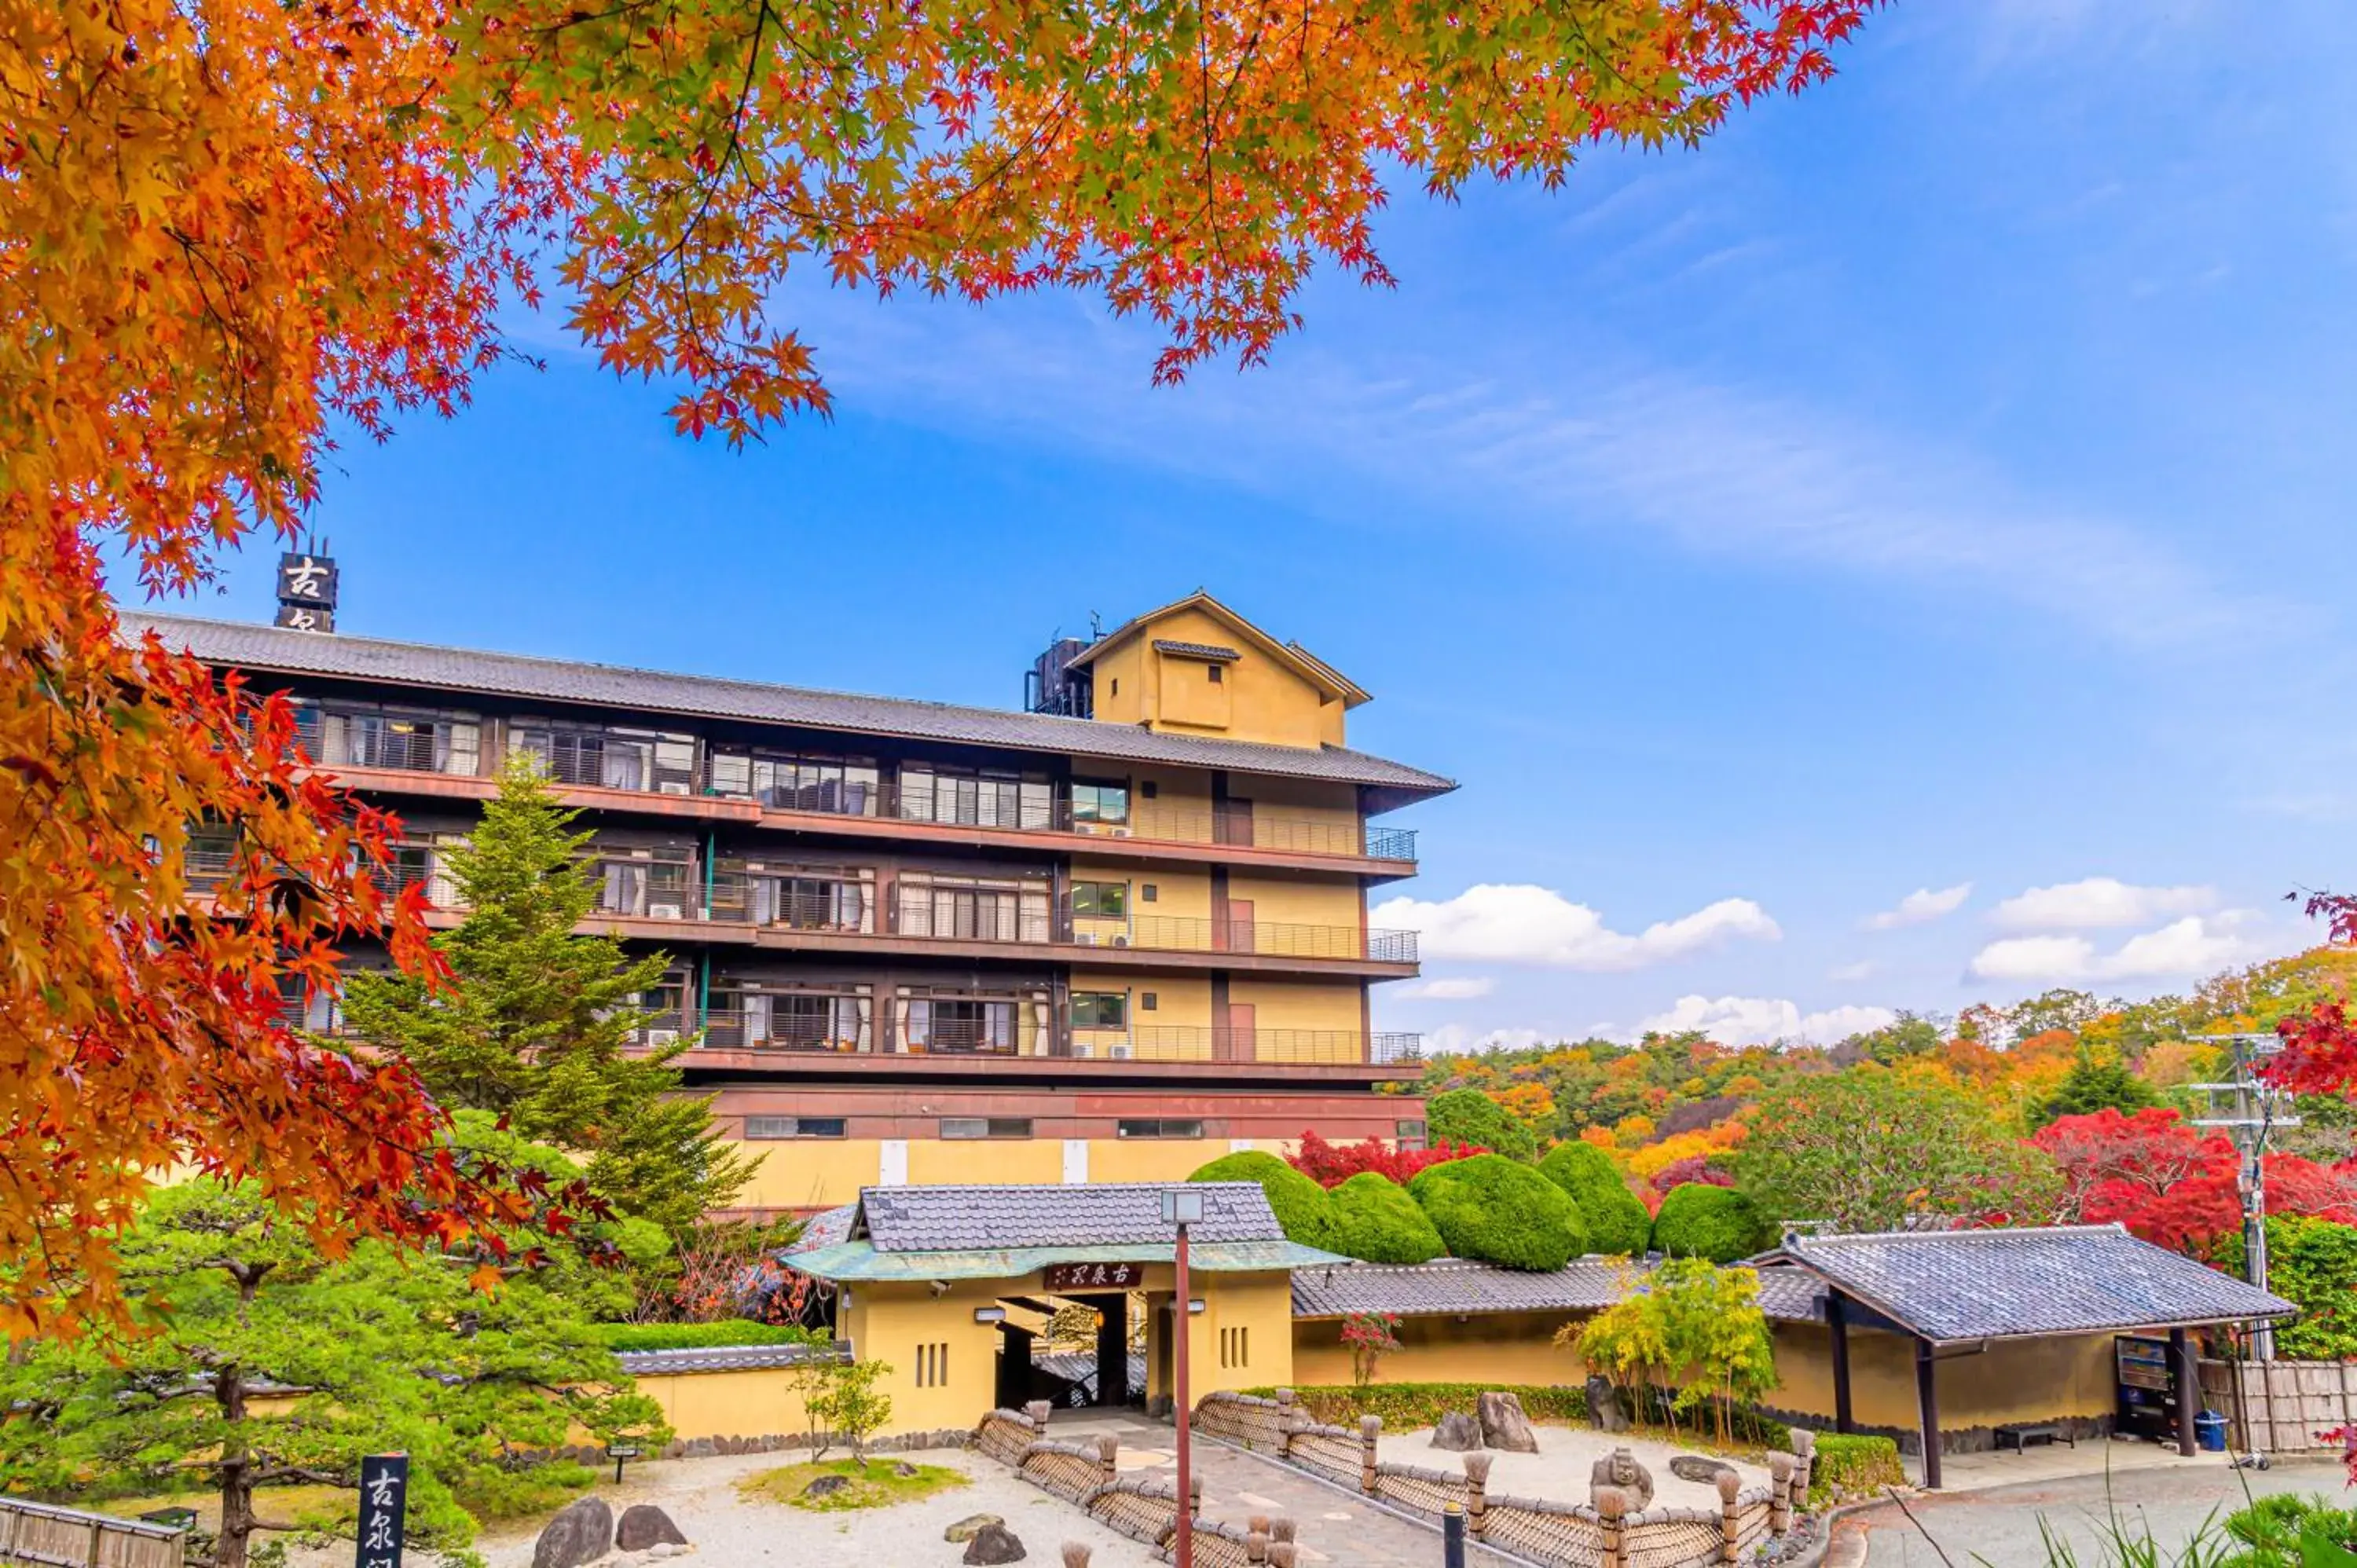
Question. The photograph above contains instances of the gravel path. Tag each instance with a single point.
(701, 1496)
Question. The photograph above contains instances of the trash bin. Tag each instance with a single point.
(2210, 1431)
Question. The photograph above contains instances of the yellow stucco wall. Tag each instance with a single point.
(822, 1172)
(937, 1162)
(1258, 697)
(1246, 1315)
(891, 1322)
(1485, 1347)
(2013, 1381)
(1151, 1159)
(728, 1405)
(1304, 900)
(810, 1173)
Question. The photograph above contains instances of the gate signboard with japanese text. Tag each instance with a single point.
(384, 1508)
(1092, 1276)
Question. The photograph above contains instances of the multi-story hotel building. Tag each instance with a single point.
(1106, 937)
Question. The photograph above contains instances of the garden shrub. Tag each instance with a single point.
(1375, 1218)
(1406, 1407)
(2313, 1263)
(1498, 1210)
(2277, 1529)
(1302, 1207)
(1616, 1218)
(696, 1335)
(1470, 1116)
(1858, 1463)
(1715, 1223)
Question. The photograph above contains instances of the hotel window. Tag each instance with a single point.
(1150, 1000)
(1100, 1010)
(663, 1005)
(365, 736)
(646, 760)
(985, 1126)
(1216, 674)
(799, 898)
(972, 909)
(1100, 803)
(975, 799)
(1101, 900)
(1157, 1127)
(1410, 1133)
(647, 882)
(794, 1126)
(785, 781)
(776, 1018)
(1149, 892)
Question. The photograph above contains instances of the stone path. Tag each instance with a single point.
(1334, 1524)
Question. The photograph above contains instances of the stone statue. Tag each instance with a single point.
(1619, 1468)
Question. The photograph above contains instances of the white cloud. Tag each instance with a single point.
(1520, 923)
(1460, 989)
(1848, 972)
(1753, 1020)
(1462, 1039)
(2195, 945)
(2097, 902)
(1921, 907)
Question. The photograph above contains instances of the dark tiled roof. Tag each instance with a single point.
(715, 1359)
(1195, 649)
(1791, 1295)
(1956, 1285)
(1452, 1286)
(827, 1228)
(998, 1219)
(271, 649)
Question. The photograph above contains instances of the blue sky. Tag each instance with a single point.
(1935, 485)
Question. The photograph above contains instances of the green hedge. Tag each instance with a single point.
(1617, 1221)
(1699, 1220)
(1860, 1465)
(1470, 1116)
(1302, 1208)
(1407, 1407)
(697, 1336)
(1375, 1218)
(1499, 1210)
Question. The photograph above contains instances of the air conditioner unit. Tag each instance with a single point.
(1121, 833)
(1084, 939)
(1083, 1052)
(1121, 942)
(1120, 1053)
(672, 787)
(662, 912)
(663, 1037)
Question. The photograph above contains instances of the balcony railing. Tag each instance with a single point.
(725, 1029)
(1268, 939)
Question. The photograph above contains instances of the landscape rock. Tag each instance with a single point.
(1694, 1468)
(826, 1485)
(971, 1526)
(643, 1525)
(1619, 1469)
(1458, 1432)
(905, 1470)
(993, 1543)
(1604, 1411)
(582, 1532)
(1503, 1424)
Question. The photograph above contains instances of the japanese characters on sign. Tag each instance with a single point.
(306, 592)
(384, 1508)
(1092, 1276)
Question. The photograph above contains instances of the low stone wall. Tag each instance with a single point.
(1604, 1532)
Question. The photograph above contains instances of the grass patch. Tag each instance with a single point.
(879, 1484)
(1407, 1407)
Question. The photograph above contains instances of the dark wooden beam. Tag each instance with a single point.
(2187, 1375)
(1838, 1321)
(1927, 1395)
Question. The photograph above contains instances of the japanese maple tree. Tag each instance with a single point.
(1331, 1165)
(229, 228)
(2171, 1184)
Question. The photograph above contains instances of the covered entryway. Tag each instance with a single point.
(1040, 1356)
(2039, 1335)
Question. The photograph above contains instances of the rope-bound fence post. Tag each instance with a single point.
(1037, 1410)
(1108, 1460)
(1371, 1427)
(1076, 1555)
(1779, 1494)
(1730, 1522)
(1611, 1503)
(1477, 1493)
(1805, 1465)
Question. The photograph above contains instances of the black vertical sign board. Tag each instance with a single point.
(384, 1510)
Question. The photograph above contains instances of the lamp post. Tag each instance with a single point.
(1181, 1208)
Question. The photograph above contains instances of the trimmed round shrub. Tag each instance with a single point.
(1498, 1210)
(1301, 1205)
(1375, 1218)
(1699, 1220)
(1470, 1116)
(1616, 1219)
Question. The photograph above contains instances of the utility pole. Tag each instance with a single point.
(1183, 1207)
(2247, 1108)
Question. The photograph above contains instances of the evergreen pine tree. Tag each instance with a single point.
(2096, 1081)
(539, 1026)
